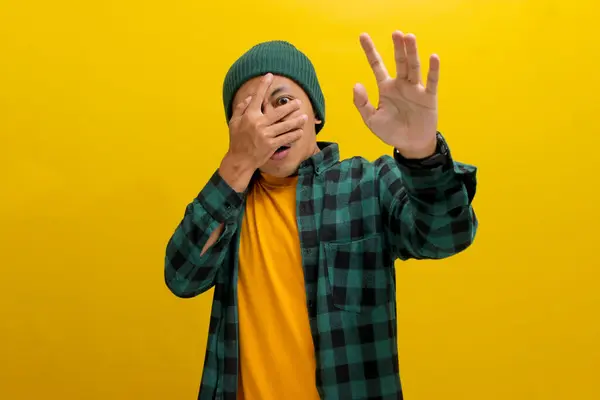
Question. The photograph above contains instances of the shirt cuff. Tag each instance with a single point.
(438, 176)
(220, 200)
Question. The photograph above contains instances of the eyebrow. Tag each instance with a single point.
(278, 90)
(275, 92)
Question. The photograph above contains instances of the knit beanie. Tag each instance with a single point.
(279, 58)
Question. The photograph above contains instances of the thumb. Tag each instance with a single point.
(361, 101)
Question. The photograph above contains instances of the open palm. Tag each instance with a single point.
(406, 115)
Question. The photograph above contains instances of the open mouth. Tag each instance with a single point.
(282, 148)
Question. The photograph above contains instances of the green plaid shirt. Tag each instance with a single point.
(355, 218)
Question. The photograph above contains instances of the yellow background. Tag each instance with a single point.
(111, 121)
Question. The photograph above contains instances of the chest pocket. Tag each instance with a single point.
(358, 277)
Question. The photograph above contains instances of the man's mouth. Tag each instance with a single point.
(282, 148)
(281, 153)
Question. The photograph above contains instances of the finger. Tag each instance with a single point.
(361, 101)
(287, 125)
(374, 58)
(280, 113)
(414, 67)
(400, 55)
(261, 92)
(240, 108)
(433, 76)
(287, 138)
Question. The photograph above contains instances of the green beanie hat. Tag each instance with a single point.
(279, 58)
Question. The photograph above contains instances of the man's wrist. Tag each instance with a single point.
(438, 157)
(236, 172)
(426, 150)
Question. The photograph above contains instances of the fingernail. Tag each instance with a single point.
(304, 117)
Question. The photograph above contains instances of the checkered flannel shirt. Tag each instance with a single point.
(355, 218)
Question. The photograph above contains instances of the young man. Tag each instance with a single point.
(300, 246)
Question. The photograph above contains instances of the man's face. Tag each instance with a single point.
(282, 91)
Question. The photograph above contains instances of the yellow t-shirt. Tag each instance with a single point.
(277, 358)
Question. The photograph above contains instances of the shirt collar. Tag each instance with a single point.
(328, 156)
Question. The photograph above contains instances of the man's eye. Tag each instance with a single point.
(282, 101)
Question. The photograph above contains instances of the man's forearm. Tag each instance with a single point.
(236, 173)
(428, 207)
(199, 245)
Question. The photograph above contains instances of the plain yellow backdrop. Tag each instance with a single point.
(111, 121)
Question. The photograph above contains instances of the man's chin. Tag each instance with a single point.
(279, 170)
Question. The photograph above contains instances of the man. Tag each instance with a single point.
(300, 246)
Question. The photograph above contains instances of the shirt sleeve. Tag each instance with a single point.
(187, 273)
(427, 212)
